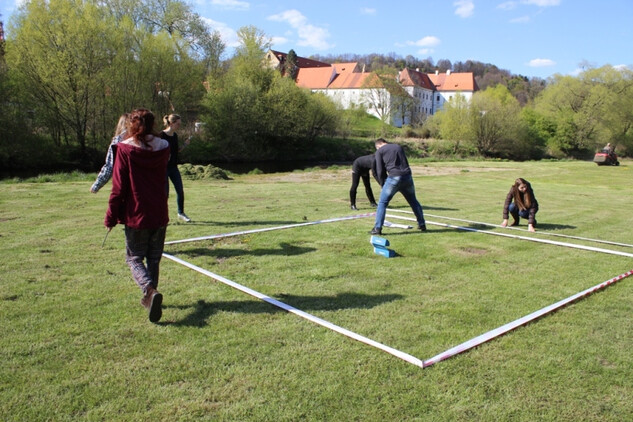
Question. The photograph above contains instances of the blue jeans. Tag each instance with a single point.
(516, 212)
(174, 175)
(393, 185)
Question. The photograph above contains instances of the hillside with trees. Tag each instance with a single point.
(66, 76)
(524, 89)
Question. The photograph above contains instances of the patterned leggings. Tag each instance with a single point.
(140, 245)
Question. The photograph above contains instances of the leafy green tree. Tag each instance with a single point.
(574, 106)
(252, 112)
(290, 66)
(455, 123)
(537, 129)
(495, 121)
(614, 88)
(62, 50)
(82, 63)
(247, 62)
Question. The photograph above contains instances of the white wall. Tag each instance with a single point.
(349, 97)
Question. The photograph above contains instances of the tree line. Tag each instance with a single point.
(571, 118)
(69, 68)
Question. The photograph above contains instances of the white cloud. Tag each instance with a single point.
(522, 19)
(622, 67)
(508, 5)
(228, 34)
(465, 8)
(541, 63)
(368, 11)
(293, 17)
(542, 3)
(275, 41)
(231, 4)
(513, 4)
(309, 35)
(428, 41)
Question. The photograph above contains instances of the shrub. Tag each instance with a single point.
(198, 172)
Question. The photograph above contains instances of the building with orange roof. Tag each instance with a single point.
(351, 87)
(411, 100)
(315, 77)
(421, 89)
(449, 84)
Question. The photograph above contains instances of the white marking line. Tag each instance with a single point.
(608, 242)
(396, 225)
(476, 341)
(288, 226)
(531, 239)
(404, 356)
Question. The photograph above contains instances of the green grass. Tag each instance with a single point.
(76, 345)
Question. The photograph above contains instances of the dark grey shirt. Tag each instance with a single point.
(391, 161)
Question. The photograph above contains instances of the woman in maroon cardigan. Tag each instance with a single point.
(139, 201)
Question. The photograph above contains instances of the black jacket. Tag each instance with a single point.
(391, 161)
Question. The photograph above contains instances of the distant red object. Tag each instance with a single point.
(606, 158)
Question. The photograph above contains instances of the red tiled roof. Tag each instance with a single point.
(347, 67)
(409, 77)
(351, 80)
(315, 77)
(454, 81)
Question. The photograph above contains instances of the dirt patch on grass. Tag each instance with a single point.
(344, 174)
(466, 251)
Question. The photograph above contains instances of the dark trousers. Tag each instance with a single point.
(355, 181)
(144, 245)
(515, 212)
(174, 175)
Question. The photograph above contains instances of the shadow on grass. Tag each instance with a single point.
(236, 224)
(284, 249)
(424, 208)
(416, 232)
(202, 310)
(483, 227)
(546, 226)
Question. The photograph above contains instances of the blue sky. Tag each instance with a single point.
(527, 37)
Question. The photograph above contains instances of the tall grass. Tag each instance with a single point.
(76, 345)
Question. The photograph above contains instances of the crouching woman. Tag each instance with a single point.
(139, 201)
(520, 202)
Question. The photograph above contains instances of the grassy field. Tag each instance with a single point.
(76, 345)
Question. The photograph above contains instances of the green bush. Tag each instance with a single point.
(199, 172)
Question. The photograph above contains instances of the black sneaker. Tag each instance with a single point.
(375, 231)
(422, 227)
(353, 208)
(155, 301)
(373, 204)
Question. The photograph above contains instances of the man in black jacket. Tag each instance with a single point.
(360, 170)
(394, 175)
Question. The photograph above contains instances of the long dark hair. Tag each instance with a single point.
(140, 124)
(523, 200)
